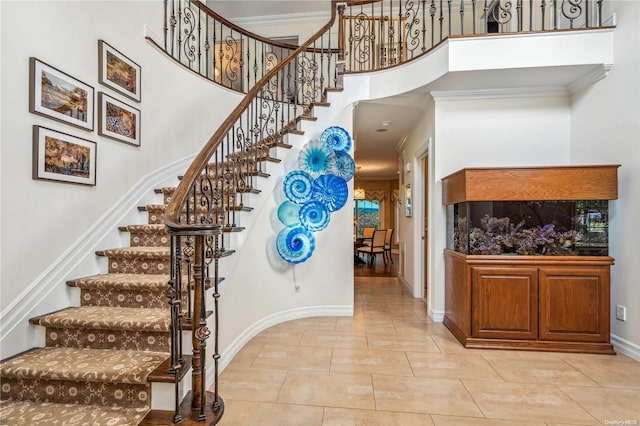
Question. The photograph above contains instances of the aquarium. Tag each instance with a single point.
(545, 228)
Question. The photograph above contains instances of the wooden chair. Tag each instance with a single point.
(367, 235)
(376, 247)
(388, 242)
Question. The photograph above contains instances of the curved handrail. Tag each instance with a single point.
(200, 163)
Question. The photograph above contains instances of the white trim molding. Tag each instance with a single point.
(518, 92)
(436, 316)
(626, 347)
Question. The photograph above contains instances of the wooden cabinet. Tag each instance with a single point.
(529, 302)
(553, 297)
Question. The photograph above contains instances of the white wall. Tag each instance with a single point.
(42, 221)
(605, 128)
(477, 132)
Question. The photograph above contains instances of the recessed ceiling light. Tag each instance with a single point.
(381, 130)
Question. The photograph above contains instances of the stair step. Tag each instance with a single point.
(138, 260)
(123, 290)
(156, 211)
(78, 375)
(106, 327)
(168, 192)
(148, 235)
(50, 413)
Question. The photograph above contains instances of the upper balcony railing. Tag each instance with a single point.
(380, 34)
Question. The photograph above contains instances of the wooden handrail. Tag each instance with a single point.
(174, 208)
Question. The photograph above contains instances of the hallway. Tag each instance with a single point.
(391, 365)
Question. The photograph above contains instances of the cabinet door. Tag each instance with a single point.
(504, 302)
(574, 304)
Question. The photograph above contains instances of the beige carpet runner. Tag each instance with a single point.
(94, 368)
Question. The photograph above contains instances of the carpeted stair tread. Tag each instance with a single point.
(150, 228)
(137, 282)
(137, 252)
(108, 318)
(82, 364)
(27, 413)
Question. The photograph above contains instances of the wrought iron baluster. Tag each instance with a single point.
(473, 15)
(449, 15)
(486, 16)
(441, 19)
(216, 64)
(207, 47)
(519, 14)
(199, 42)
(543, 6)
(432, 11)
(530, 15)
(586, 14)
(554, 4)
(461, 16)
(599, 3)
(424, 25)
(179, 30)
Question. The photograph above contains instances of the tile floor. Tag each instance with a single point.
(391, 365)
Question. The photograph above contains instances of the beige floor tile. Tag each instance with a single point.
(609, 371)
(431, 396)
(536, 371)
(447, 343)
(334, 339)
(607, 404)
(245, 413)
(519, 401)
(318, 323)
(383, 311)
(251, 384)
(410, 327)
(279, 336)
(293, 358)
(370, 362)
(246, 355)
(451, 366)
(366, 325)
(350, 417)
(328, 390)
(395, 342)
(474, 421)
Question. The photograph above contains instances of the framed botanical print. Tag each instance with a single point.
(118, 72)
(57, 95)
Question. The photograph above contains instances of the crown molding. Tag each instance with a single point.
(520, 92)
(590, 78)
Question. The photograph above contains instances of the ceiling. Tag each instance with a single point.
(379, 126)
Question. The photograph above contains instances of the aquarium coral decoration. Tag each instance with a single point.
(501, 236)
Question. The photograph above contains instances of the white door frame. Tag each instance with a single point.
(419, 213)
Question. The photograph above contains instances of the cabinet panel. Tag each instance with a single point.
(505, 302)
(574, 304)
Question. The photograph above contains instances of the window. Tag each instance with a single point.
(367, 213)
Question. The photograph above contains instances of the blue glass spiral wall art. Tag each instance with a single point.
(316, 158)
(295, 244)
(331, 190)
(345, 166)
(297, 186)
(336, 138)
(289, 213)
(314, 216)
(318, 188)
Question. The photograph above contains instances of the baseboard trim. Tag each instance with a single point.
(405, 283)
(436, 316)
(625, 347)
(35, 299)
(275, 319)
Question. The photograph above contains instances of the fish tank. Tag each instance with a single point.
(543, 228)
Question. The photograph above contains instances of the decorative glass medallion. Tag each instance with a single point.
(331, 190)
(336, 138)
(297, 186)
(316, 159)
(345, 166)
(295, 244)
(289, 213)
(314, 216)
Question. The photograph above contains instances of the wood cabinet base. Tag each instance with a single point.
(528, 345)
(538, 303)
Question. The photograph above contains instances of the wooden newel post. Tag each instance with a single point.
(198, 309)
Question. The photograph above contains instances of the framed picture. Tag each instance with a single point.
(118, 120)
(61, 157)
(118, 72)
(57, 95)
(408, 211)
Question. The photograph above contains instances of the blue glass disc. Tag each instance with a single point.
(289, 213)
(295, 244)
(314, 216)
(331, 190)
(297, 186)
(316, 158)
(336, 138)
(345, 166)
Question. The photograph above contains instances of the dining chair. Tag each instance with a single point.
(376, 247)
(367, 235)
(388, 242)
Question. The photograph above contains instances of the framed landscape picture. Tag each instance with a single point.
(61, 157)
(57, 95)
(118, 120)
(118, 72)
